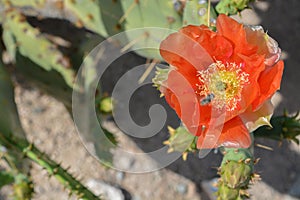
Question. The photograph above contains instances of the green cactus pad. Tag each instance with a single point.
(32, 3)
(236, 174)
(111, 12)
(226, 193)
(196, 13)
(88, 13)
(10, 43)
(145, 13)
(32, 44)
(181, 140)
(233, 154)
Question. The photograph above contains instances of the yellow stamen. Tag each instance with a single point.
(224, 82)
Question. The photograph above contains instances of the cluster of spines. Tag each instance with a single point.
(232, 7)
(236, 174)
(283, 127)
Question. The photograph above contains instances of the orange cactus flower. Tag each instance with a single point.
(220, 83)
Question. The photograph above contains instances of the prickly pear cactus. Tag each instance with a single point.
(231, 7)
(283, 127)
(236, 172)
(198, 12)
(160, 76)
(88, 13)
(181, 140)
(143, 14)
(22, 37)
(33, 3)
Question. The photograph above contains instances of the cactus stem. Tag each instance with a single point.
(53, 169)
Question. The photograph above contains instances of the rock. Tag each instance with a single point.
(181, 188)
(107, 191)
(120, 176)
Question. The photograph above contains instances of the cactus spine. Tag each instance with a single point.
(236, 173)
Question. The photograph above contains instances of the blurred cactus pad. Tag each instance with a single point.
(47, 40)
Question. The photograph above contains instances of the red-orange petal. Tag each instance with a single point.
(182, 98)
(184, 53)
(269, 82)
(234, 135)
(226, 26)
(217, 46)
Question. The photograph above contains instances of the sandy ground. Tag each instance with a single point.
(50, 127)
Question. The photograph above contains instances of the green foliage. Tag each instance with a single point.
(283, 127)
(232, 7)
(6, 178)
(146, 13)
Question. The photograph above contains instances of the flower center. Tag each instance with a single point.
(222, 85)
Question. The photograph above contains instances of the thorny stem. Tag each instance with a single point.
(53, 169)
(236, 173)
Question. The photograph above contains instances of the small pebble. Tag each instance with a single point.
(120, 176)
(181, 188)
